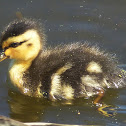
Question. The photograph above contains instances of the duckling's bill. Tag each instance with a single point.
(2, 55)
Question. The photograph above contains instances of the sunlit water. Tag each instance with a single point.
(99, 22)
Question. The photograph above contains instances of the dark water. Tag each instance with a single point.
(101, 22)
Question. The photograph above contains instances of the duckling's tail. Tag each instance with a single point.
(119, 79)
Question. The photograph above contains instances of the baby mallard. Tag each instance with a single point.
(64, 72)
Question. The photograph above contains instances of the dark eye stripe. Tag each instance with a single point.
(15, 44)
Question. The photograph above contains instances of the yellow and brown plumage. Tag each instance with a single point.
(64, 72)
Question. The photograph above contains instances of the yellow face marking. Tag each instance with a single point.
(94, 67)
(23, 51)
(56, 81)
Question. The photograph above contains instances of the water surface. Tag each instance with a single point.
(98, 22)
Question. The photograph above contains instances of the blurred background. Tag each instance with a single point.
(101, 22)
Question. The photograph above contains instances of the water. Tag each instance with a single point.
(99, 22)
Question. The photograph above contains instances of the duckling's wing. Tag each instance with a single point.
(73, 71)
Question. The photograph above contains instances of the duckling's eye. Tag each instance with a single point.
(16, 44)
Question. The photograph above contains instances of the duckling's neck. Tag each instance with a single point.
(16, 71)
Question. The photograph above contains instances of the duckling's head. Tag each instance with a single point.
(22, 40)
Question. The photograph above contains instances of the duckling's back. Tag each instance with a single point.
(76, 70)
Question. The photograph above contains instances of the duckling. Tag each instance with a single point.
(63, 72)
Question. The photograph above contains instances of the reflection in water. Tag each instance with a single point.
(29, 109)
(24, 108)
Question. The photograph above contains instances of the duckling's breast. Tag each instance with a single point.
(16, 71)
